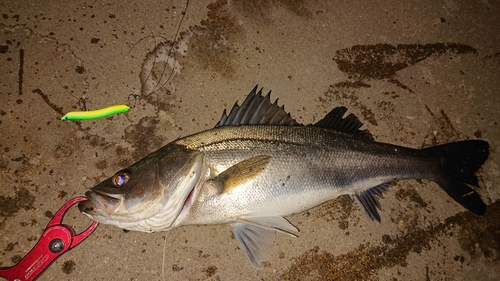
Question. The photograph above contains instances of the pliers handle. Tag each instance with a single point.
(56, 240)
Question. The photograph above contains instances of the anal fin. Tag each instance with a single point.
(255, 236)
(368, 202)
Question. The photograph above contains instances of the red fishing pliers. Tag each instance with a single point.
(56, 240)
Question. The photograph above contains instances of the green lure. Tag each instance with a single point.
(94, 114)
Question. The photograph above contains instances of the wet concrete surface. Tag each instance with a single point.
(417, 74)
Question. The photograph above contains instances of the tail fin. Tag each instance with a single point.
(460, 161)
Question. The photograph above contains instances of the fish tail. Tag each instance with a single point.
(460, 161)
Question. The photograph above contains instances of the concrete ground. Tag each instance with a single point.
(417, 73)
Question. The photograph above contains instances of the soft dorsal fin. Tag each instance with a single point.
(348, 125)
(257, 110)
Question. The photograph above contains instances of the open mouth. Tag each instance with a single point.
(86, 206)
(98, 201)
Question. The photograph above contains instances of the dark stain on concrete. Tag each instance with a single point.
(412, 195)
(4, 49)
(441, 130)
(345, 91)
(80, 69)
(96, 141)
(477, 235)
(62, 194)
(68, 266)
(383, 61)
(212, 43)
(142, 137)
(46, 99)
(102, 164)
(9, 205)
(49, 214)
(348, 84)
(210, 271)
(480, 235)
(122, 157)
(15, 259)
(340, 210)
(10, 246)
(62, 151)
(20, 73)
(260, 8)
(495, 55)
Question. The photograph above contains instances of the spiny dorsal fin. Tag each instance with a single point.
(257, 110)
(240, 173)
(348, 125)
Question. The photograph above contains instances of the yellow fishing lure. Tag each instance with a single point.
(94, 114)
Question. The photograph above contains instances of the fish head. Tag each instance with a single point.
(149, 195)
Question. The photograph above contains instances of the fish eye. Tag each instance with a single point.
(121, 178)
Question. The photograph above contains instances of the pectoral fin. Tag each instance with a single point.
(240, 173)
(256, 236)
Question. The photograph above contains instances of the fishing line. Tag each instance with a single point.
(93, 114)
(104, 112)
(170, 53)
(183, 13)
(153, 36)
(163, 260)
(81, 101)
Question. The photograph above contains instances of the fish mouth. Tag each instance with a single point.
(99, 203)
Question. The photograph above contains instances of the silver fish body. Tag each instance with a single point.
(258, 165)
(308, 166)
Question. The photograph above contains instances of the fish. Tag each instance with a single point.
(259, 165)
